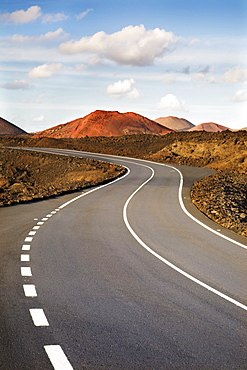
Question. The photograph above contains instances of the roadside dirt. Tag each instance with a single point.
(222, 197)
(26, 176)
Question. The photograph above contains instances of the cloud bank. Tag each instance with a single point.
(235, 75)
(22, 16)
(133, 45)
(17, 85)
(59, 34)
(52, 18)
(30, 15)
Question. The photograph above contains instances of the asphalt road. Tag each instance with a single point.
(121, 277)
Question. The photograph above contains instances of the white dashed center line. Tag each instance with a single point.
(54, 352)
(26, 247)
(32, 232)
(28, 239)
(29, 290)
(26, 271)
(38, 316)
(57, 357)
(25, 258)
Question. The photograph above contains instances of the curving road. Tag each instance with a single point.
(126, 276)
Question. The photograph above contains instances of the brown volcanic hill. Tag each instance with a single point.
(105, 123)
(9, 129)
(209, 127)
(175, 123)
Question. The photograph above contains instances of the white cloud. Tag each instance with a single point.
(232, 75)
(133, 45)
(83, 14)
(39, 119)
(59, 34)
(235, 75)
(17, 85)
(240, 96)
(45, 70)
(134, 94)
(52, 18)
(171, 102)
(194, 42)
(22, 16)
(30, 15)
(120, 87)
(55, 35)
(123, 88)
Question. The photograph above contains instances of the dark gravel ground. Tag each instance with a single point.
(222, 197)
(26, 175)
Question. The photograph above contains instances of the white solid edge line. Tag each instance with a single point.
(195, 280)
(132, 160)
(58, 357)
(179, 194)
(222, 295)
(180, 198)
(38, 316)
(194, 218)
(215, 291)
(92, 190)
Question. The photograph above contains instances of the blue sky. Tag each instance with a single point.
(61, 60)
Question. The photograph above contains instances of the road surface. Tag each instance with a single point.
(121, 277)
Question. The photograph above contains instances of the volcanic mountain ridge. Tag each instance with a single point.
(175, 123)
(8, 128)
(105, 123)
(209, 126)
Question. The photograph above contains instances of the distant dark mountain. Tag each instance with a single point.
(9, 129)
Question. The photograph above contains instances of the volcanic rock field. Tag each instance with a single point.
(222, 197)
